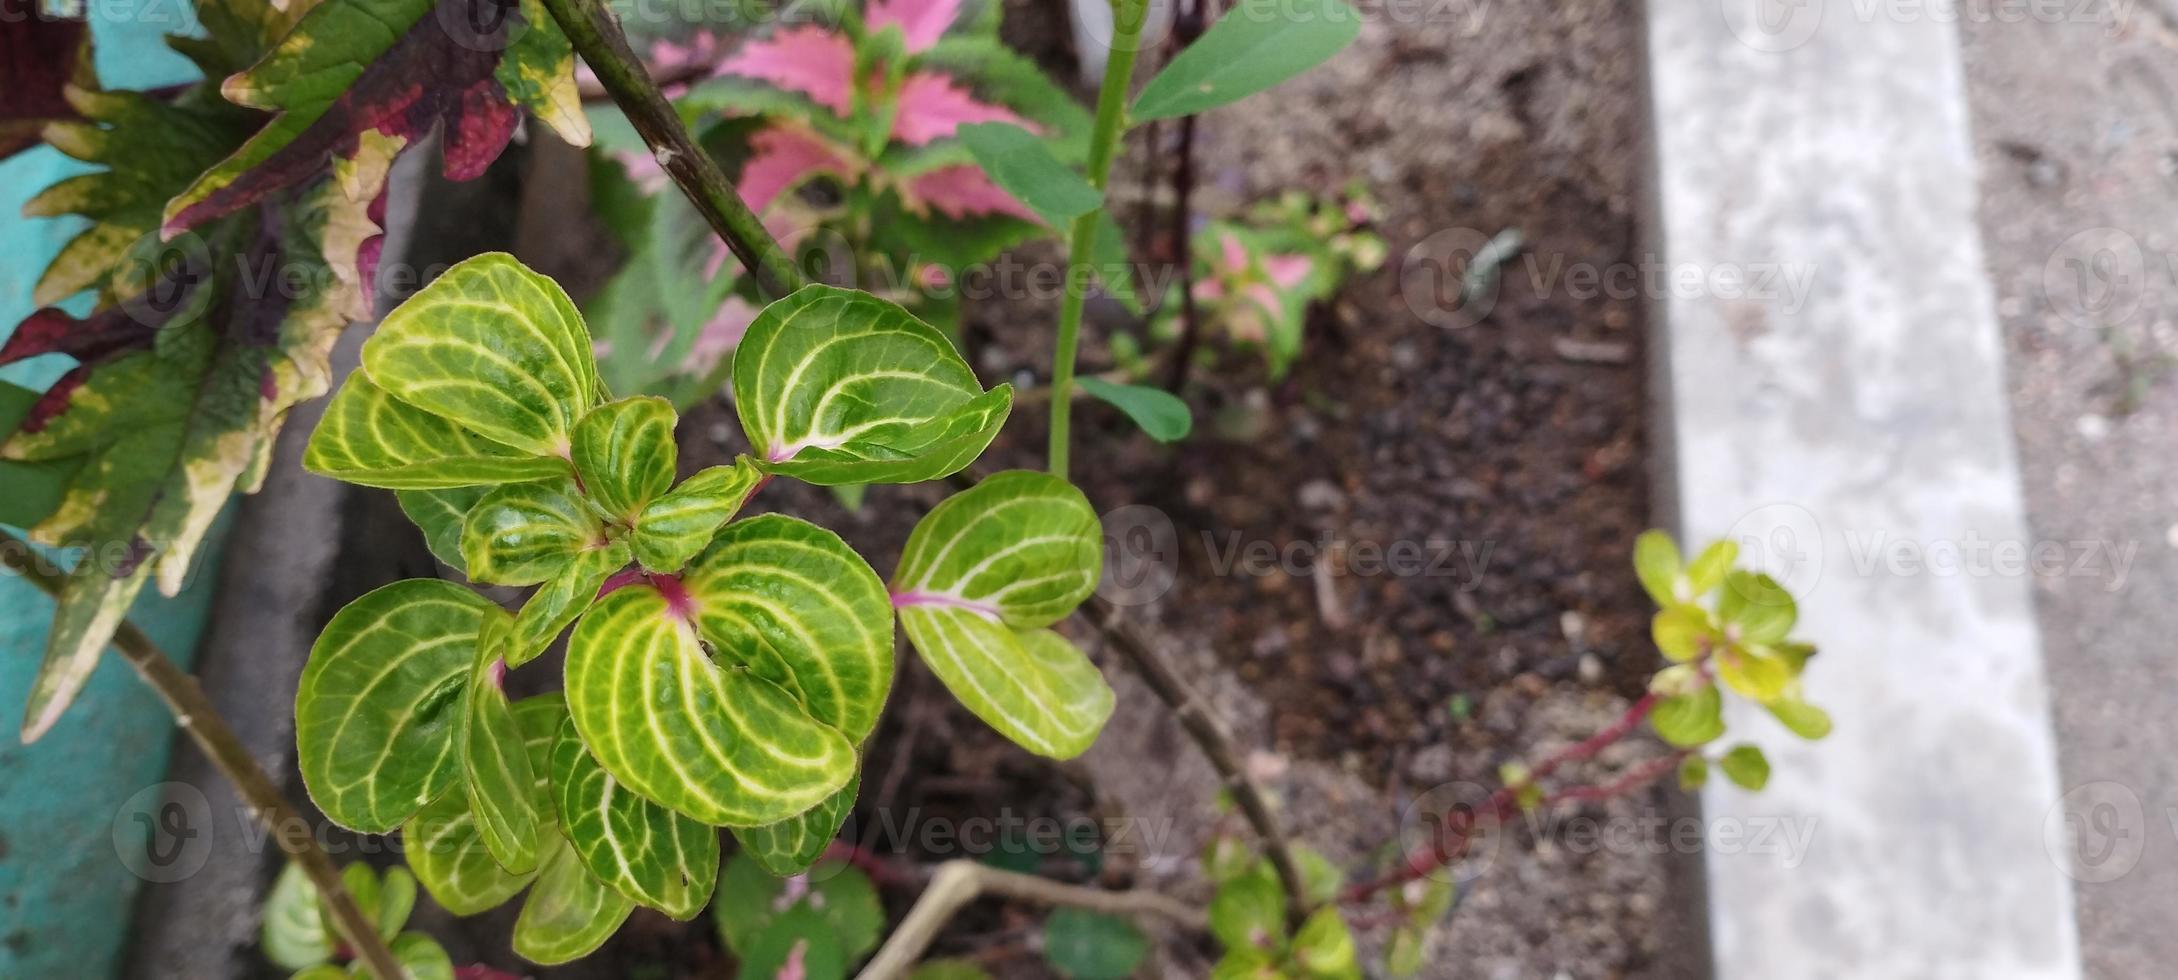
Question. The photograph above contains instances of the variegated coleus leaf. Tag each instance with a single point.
(790, 846)
(148, 148)
(708, 738)
(443, 844)
(355, 81)
(180, 388)
(835, 386)
(39, 57)
(378, 713)
(981, 578)
(651, 854)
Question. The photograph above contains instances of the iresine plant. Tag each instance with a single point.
(722, 671)
(843, 134)
(1721, 629)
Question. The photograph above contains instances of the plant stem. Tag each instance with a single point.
(597, 36)
(1216, 744)
(196, 715)
(1459, 826)
(956, 883)
(1127, 19)
(1183, 182)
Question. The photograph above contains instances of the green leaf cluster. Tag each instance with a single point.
(721, 671)
(297, 933)
(1248, 918)
(1724, 629)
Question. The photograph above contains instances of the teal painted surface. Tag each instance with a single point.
(64, 889)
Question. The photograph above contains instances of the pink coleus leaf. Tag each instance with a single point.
(1287, 271)
(962, 191)
(720, 335)
(923, 21)
(811, 60)
(780, 159)
(932, 106)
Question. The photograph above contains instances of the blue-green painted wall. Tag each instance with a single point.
(64, 889)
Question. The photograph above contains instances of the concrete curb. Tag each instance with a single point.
(1836, 404)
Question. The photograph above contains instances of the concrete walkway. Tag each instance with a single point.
(1855, 439)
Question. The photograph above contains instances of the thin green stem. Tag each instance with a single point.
(1127, 19)
(597, 36)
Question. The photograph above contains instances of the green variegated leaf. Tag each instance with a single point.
(294, 934)
(1032, 685)
(379, 702)
(724, 746)
(396, 899)
(1022, 547)
(494, 764)
(421, 958)
(494, 348)
(439, 515)
(836, 386)
(794, 605)
(980, 574)
(370, 438)
(525, 533)
(678, 525)
(625, 455)
(445, 849)
(790, 846)
(568, 913)
(648, 853)
(560, 600)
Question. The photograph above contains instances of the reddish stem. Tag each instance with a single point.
(1587, 748)
(1458, 827)
(1635, 779)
